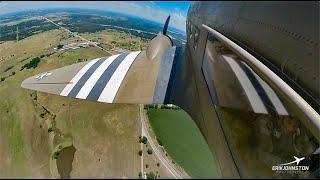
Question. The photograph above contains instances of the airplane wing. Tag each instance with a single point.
(131, 77)
(161, 75)
(150, 77)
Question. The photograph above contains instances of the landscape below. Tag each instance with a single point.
(45, 136)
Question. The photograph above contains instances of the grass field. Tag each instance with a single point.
(183, 141)
(105, 136)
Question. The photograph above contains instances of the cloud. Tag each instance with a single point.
(147, 10)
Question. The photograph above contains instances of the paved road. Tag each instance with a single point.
(157, 152)
(76, 35)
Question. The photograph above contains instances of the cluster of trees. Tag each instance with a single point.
(8, 32)
(149, 151)
(150, 175)
(143, 140)
(32, 64)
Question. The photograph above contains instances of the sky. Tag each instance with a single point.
(156, 11)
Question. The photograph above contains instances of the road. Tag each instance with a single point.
(76, 35)
(170, 167)
(141, 148)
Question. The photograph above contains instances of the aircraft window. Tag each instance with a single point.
(258, 126)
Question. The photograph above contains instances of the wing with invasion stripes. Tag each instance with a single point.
(130, 77)
(161, 75)
(135, 78)
(139, 77)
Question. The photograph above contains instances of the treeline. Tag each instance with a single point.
(32, 64)
(4, 78)
(26, 29)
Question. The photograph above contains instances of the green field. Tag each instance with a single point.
(183, 141)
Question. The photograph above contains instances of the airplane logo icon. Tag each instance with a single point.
(297, 160)
(39, 77)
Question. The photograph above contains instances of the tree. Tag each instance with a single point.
(32, 64)
(147, 165)
(59, 46)
(50, 129)
(13, 73)
(143, 140)
(151, 175)
(140, 153)
(159, 142)
(158, 164)
(42, 114)
(56, 154)
(149, 151)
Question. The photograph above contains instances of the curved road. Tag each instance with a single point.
(177, 174)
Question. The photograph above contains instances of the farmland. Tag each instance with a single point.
(183, 141)
(47, 136)
(42, 134)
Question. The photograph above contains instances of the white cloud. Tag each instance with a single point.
(147, 10)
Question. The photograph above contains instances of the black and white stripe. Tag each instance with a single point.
(101, 78)
(85, 90)
(110, 90)
(274, 99)
(75, 90)
(77, 77)
(260, 95)
(105, 77)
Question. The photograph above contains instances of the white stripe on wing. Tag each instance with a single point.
(281, 110)
(87, 87)
(77, 77)
(109, 92)
(251, 93)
